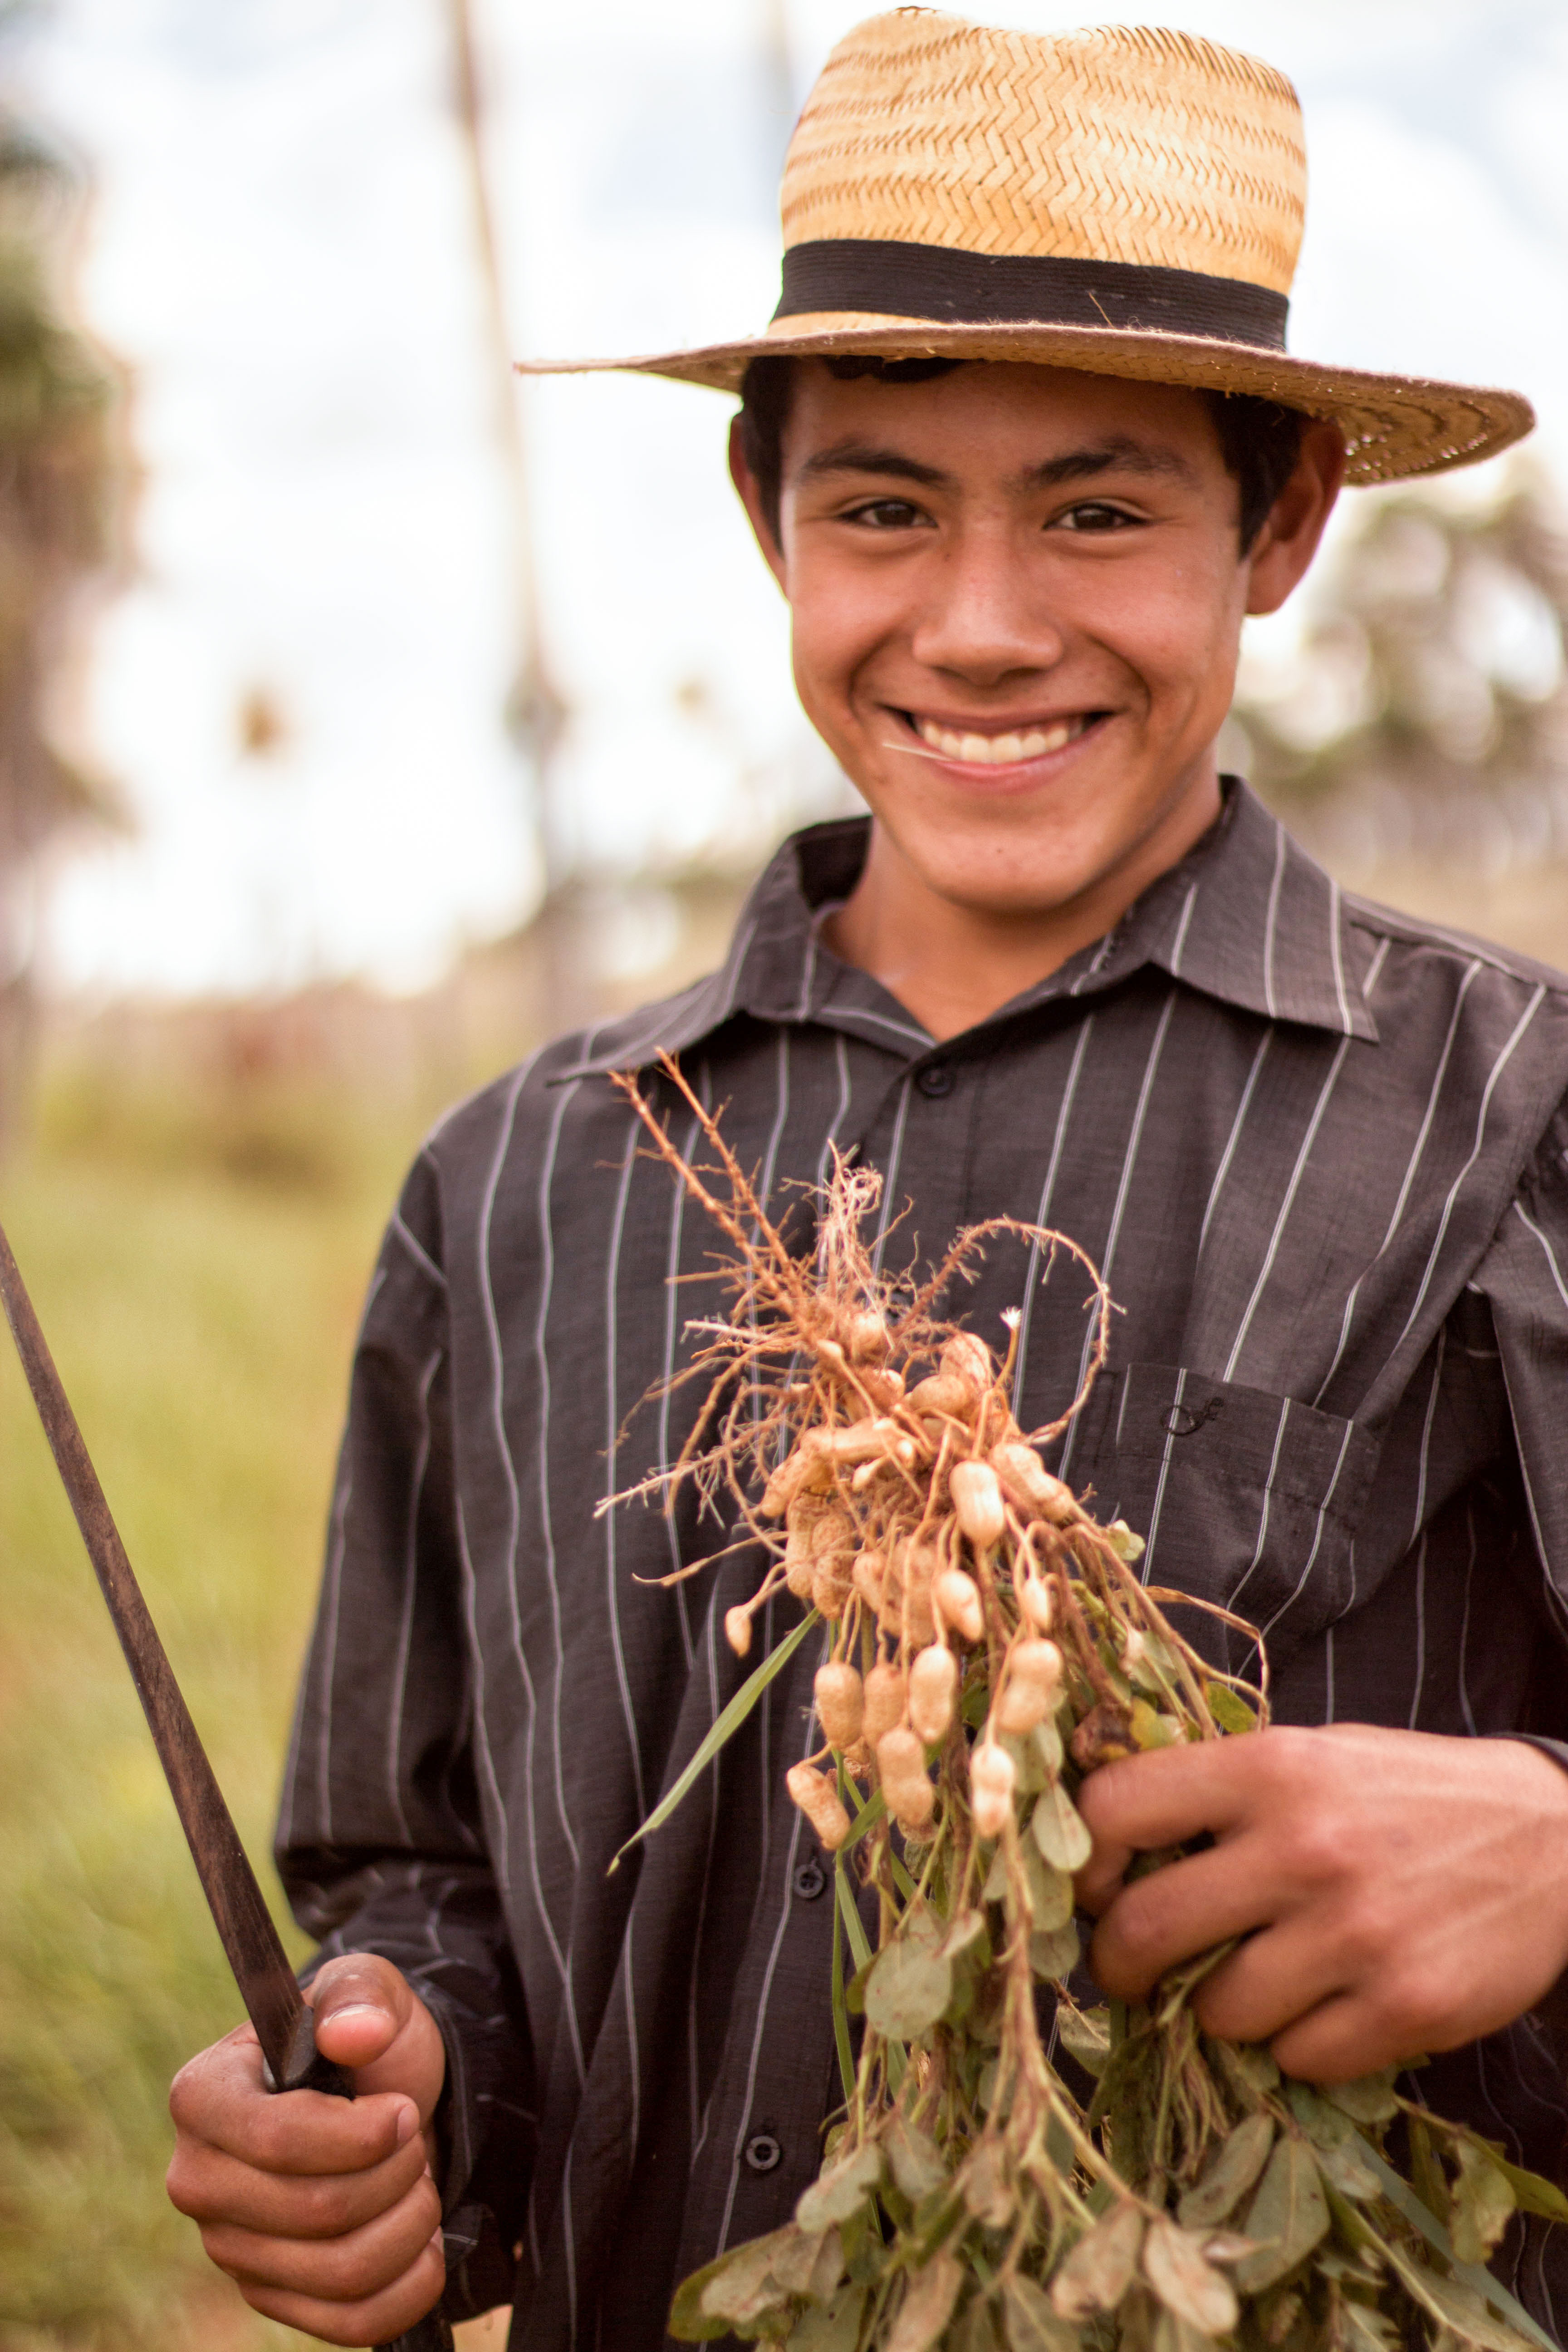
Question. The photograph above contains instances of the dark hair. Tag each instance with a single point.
(1258, 440)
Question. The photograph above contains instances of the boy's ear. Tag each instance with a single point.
(751, 497)
(1295, 522)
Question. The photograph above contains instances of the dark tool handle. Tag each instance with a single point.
(309, 2070)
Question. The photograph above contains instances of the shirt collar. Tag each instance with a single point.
(1246, 916)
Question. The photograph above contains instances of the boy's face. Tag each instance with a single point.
(1017, 595)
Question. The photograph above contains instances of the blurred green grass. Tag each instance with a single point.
(198, 1257)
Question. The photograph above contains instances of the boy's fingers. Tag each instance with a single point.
(1183, 1911)
(359, 2006)
(1171, 1793)
(208, 2185)
(374, 2319)
(345, 2268)
(218, 2098)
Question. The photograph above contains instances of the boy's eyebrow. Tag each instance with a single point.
(867, 457)
(1119, 451)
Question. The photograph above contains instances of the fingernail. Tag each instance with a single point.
(407, 2125)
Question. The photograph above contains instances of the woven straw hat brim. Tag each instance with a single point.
(1395, 426)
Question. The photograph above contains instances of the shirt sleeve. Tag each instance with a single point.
(380, 1843)
(1523, 1275)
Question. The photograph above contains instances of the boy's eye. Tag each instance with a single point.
(885, 514)
(1095, 514)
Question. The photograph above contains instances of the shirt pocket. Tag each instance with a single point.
(1247, 1499)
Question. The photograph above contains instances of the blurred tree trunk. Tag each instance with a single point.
(60, 473)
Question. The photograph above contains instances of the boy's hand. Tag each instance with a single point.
(1397, 1892)
(323, 2210)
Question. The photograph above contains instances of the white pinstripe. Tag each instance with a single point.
(808, 1743)
(1397, 1218)
(542, 1458)
(612, 1442)
(1129, 1162)
(410, 1578)
(1043, 1213)
(1237, 1590)
(1271, 920)
(1317, 1534)
(508, 1469)
(1228, 1154)
(1503, 1059)
(1286, 1206)
(1149, 1541)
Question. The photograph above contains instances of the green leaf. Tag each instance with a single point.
(854, 1925)
(1124, 1542)
(1099, 2271)
(841, 2041)
(742, 2287)
(1343, 2169)
(1055, 1955)
(1046, 1742)
(837, 2329)
(1532, 2194)
(1287, 2217)
(1184, 2282)
(914, 2161)
(1482, 2203)
(1085, 2034)
(908, 1990)
(1240, 2160)
(1051, 1903)
(841, 2191)
(1060, 1831)
(1480, 2283)
(1152, 1730)
(724, 1729)
(686, 2322)
(810, 2264)
(927, 2306)
(1032, 2325)
(1370, 2099)
(1456, 2305)
(1229, 1710)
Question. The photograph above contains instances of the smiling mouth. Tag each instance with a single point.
(975, 750)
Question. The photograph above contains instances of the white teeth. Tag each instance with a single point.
(999, 750)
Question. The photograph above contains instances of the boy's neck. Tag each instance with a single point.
(952, 964)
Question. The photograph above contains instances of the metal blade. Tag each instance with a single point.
(261, 1970)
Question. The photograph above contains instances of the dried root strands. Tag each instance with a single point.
(873, 1454)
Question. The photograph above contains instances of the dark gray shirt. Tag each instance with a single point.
(1321, 1152)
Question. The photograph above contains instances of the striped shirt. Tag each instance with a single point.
(1321, 1152)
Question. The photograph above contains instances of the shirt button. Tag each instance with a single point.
(934, 1081)
(809, 1881)
(764, 2153)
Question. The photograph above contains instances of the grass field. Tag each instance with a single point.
(198, 1265)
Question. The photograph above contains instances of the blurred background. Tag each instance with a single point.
(366, 716)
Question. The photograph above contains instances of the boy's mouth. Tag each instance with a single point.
(1005, 750)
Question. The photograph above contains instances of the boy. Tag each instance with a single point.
(1022, 449)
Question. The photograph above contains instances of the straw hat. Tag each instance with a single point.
(1127, 201)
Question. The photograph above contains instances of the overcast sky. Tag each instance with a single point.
(281, 247)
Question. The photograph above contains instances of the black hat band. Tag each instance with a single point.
(955, 288)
